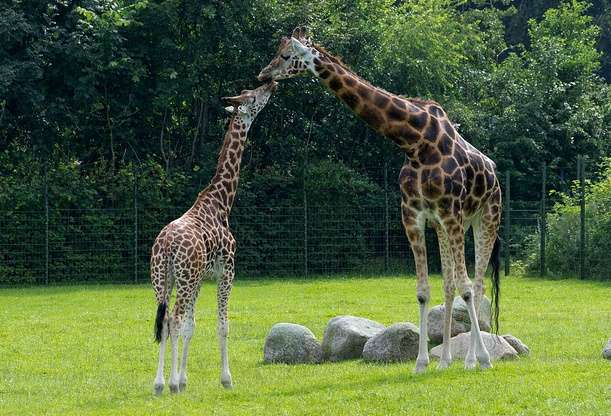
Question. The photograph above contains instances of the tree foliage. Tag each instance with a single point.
(94, 91)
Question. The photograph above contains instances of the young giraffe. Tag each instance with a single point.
(199, 243)
(445, 181)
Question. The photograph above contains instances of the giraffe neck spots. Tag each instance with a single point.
(444, 173)
(223, 186)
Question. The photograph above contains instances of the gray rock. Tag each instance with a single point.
(519, 346)
(345, 337)
(497, 347)
(607, 350)
(460, 319)
(398, 342)
(291, 344)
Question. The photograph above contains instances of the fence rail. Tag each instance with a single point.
(113, 244)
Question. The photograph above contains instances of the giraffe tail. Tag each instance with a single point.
(495, 260)
(163, 297)
(161, 310)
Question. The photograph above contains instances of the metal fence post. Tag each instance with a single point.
(506, 230)
(386, 220)
(305, 224)
(46, 191)
(135, 228)
(543, 222)
(582, 215)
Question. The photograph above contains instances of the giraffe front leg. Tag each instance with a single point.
(414, 228)
(223, 293)
(447, 269)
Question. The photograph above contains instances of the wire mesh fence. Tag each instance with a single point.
(113, 244)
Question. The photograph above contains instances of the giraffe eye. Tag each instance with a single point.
(285, 57)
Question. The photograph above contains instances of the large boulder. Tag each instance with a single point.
(461, 322)
(607, 350)
(291, 344)
(345, 337)
(519, 346)
(398, 342)
(497, 347)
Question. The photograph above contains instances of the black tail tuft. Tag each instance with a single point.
(161, 309)
(495, 260)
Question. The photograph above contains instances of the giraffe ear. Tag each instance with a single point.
(298, 32)
(236, 99)
(230, 109)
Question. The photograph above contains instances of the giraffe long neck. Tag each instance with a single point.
(224, 184)
(391, 115)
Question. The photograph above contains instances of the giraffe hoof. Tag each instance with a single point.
(182, 386)
(484, 365)
(444, 364)
(421, 366)
(174, 388)
(227, 384)
(158, 389)
(420, 369)
(470, 364)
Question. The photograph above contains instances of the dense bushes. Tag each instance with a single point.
(120, 95)
(92, 220)
(563, 235)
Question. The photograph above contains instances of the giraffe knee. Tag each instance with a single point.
(188, 327)
(223, 331)
(467, 296)
(423, 292)
(423, 295)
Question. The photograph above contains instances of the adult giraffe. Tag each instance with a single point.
(445, 181)
(192, 247)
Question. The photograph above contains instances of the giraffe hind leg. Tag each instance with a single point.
(179, 318)
(162, 284)
(188, 327)
(485, 236)
(456, 234)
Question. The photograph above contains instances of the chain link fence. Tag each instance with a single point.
(113, 244)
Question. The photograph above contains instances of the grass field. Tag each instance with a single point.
(89, 350)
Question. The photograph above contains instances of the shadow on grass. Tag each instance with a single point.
(70, 287)
(405, 378)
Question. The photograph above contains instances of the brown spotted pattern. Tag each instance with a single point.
(192, 247)
(445, 181)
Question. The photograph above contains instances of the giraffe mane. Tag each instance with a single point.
(332, 57)
(421, 101)
(338, 61)
(341, 63)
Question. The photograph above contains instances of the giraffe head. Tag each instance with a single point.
(250, 102)
(294, 57)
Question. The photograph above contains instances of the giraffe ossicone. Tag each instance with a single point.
(445, 182)
(200, 245)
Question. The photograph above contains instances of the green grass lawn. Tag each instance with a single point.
(89, 350)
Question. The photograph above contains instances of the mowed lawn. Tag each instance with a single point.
(89, 350)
